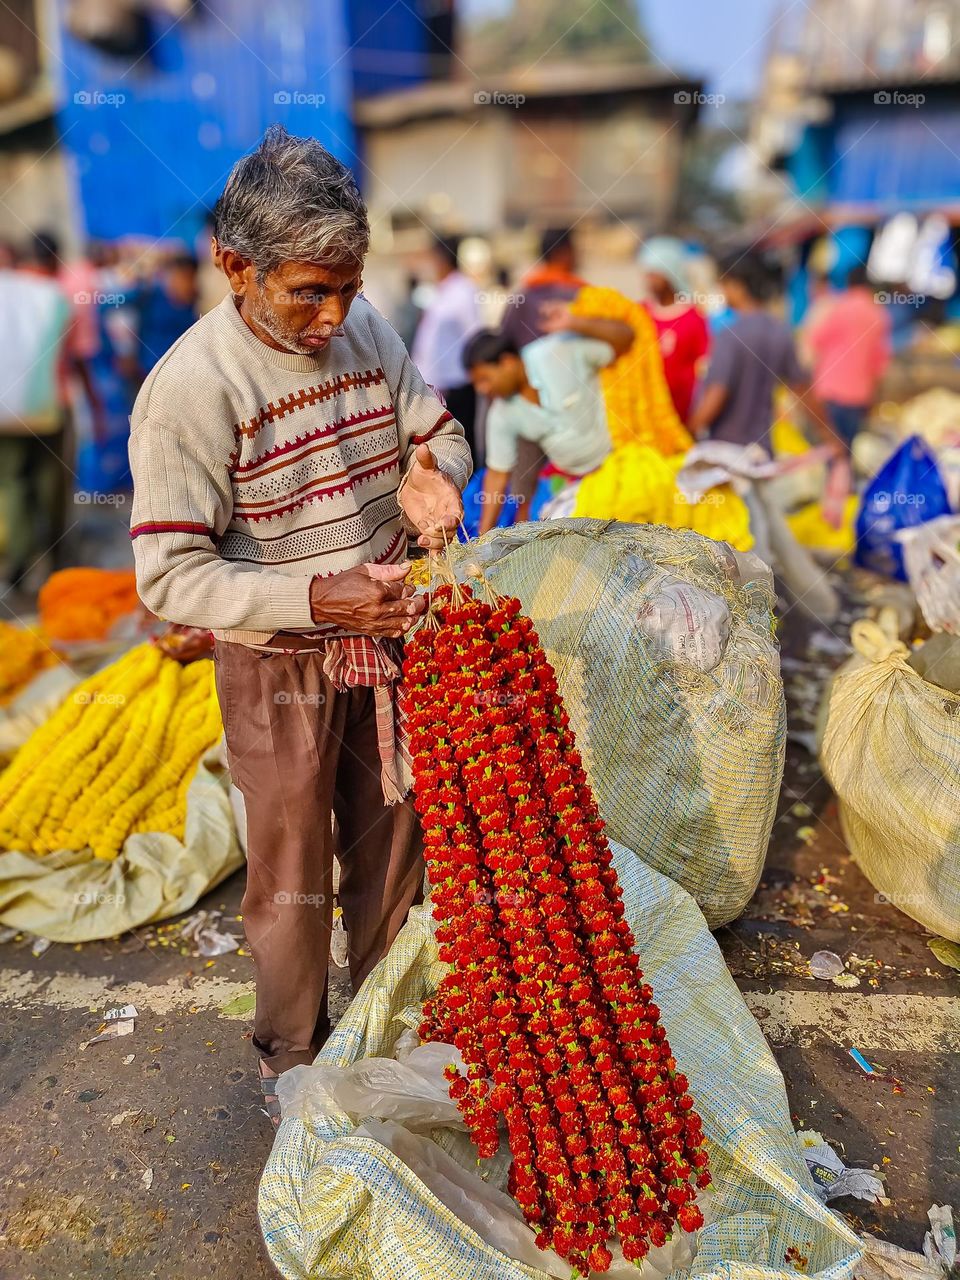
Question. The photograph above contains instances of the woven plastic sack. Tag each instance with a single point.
(891, 752)
(335, 1202)
(75, 897)
(685, 758)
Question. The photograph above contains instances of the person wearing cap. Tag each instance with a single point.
(681, 329)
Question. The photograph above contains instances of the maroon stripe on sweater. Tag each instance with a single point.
(350, 479)
(352, 468)
(328, 429)
(171, 526)
(308, 396)
(309, 451)
(428, 435)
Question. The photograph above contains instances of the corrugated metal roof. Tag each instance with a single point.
(153, 139)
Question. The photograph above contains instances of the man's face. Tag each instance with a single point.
(300, 306)
(498, 379)
(734, 292)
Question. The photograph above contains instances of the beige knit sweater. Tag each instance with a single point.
(255, 469)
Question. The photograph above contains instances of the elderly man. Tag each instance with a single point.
(281, 451)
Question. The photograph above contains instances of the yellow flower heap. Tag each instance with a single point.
(116, 758)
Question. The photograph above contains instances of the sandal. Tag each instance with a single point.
(271, 1103)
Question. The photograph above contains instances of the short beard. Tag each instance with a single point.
(262, 315)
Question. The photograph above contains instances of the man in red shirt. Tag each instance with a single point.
(681, 329)
(850, 344)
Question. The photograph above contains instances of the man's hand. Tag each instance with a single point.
(556, 317)
(185, 644)
(371, 600)
(430, 501)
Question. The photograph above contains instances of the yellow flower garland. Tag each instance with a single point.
(117, 757)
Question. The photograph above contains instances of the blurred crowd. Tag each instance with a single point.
(547, 372)
(538, 388)
(79, 335)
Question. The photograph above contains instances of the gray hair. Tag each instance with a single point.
(291, 200)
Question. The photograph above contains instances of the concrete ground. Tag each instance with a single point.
(139, 1156)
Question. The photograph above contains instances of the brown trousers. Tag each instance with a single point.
(300, 751)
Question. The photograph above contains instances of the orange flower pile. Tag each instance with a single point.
(23, 655)
(83, 604)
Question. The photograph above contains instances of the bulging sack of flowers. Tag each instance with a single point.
(662, 641)
(373, 1175)
(891, 752)
(115, 811)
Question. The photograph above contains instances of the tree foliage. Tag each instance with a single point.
(558, 30)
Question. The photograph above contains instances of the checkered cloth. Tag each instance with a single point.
(352, 662)
(363, 661)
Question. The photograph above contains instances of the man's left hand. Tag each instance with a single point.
(185, 644)
(556, 317)
(431, 501)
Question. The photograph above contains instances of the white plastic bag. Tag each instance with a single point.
(931, 557)
(686, 624)
(413, 1092)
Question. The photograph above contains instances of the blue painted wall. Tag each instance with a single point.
(391, 44)
(890, 155)
(151, 140)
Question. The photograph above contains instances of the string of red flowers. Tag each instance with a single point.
(544, 996)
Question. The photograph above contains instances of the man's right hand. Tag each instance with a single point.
(371, 600)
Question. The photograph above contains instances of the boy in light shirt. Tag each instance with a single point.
(549, 393)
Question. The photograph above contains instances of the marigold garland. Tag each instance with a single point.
(23, 655)
(544, 997)
(117, 757)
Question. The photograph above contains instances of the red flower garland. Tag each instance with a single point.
(544, 998)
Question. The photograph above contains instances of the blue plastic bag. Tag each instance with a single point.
(473, 507)
(907, 490)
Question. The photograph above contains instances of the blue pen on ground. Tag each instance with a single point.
(861, 1061)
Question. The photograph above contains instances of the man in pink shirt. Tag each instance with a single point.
(850, 344)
